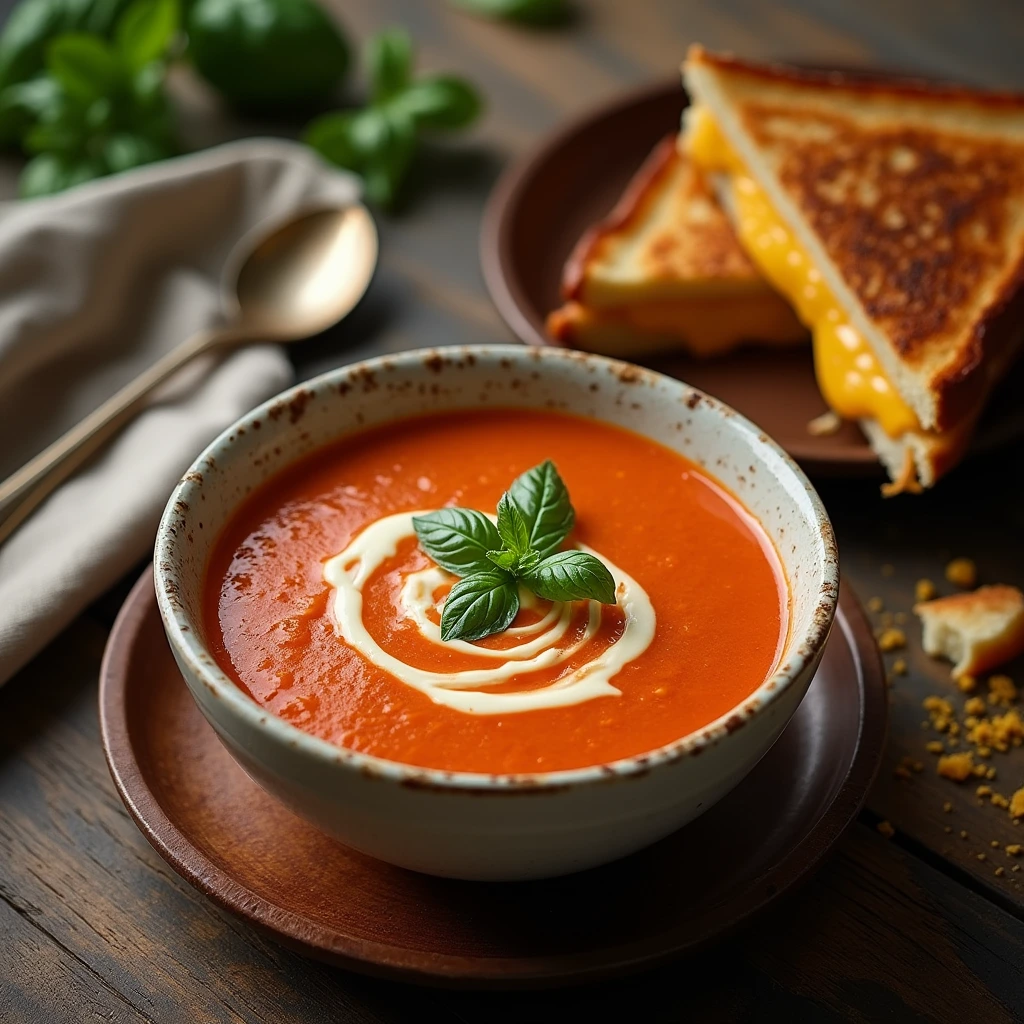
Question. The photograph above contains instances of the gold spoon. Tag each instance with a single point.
(283, 285)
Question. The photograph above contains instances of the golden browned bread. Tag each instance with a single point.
(908, 198)
(977, 630)
(664, 270)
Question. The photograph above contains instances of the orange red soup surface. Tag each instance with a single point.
(708, 568)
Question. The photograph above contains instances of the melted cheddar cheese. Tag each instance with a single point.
(849, 376)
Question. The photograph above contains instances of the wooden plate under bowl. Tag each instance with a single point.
(542, 205)
(249, 854)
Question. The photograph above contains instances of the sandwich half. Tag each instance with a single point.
(664, 271)
(890, 214)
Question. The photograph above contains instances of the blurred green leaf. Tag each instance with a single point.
(23, 104)
(85, 66)
(49, 173)
(267, 53)
(439, 102)
(331, 136)
(389, 58)
(146, 31)
(124, 151)
(531, 12)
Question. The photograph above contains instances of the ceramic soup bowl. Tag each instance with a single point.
(479, 826)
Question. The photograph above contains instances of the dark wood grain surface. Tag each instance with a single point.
(94, 925)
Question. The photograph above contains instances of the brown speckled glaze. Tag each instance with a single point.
(314, 894)
(509, 833)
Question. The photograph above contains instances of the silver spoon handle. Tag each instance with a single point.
(21, 492)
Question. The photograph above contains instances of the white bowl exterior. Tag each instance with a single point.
(480, 826)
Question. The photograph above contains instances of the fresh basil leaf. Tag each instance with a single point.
(506, 560)
(532, 12)
(512, 528)
(439, 102)
(571, 576)
(85, 66)
(393, 142)
(145, 31)
(389, 57)
(544, 501)
(479, 605)
(458, 539)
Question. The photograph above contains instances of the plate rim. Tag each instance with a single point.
(447, 970)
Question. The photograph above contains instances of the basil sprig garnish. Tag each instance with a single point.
(534, 516)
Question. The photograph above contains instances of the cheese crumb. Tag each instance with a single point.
(899, 667)
(962, 572)
(998, 800)
(982, 856)
(957, 767)
(934, 747)
(892, 640)
(924, 590)
(1014, 849)
(1000, 872)
(984, 791)
(886, 829)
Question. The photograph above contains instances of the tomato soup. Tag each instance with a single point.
(323, 607)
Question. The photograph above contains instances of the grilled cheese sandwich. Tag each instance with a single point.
(890, 216)
(665, 270)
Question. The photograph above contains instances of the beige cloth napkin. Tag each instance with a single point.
(94, 285)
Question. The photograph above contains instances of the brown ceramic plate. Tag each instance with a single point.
(542, 205)
(241, 848)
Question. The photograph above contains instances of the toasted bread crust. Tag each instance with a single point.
(864, 81)
(979, 630)
(690, 247)
(915, 193)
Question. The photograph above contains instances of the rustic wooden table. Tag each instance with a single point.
(95, 926)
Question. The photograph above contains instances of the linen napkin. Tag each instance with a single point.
(95, 284)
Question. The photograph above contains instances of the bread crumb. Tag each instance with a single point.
(888, 569)
(947, 828)
(966, 683)
(990, 774)
(963, 834)
(824, 425)
(999, 872)
(998, 800)
(980, 771)
(900, 772)
(947, 807)
(975, 706)
(899, 667)
(1017, 804)
(924, 590)
(934, 747)
(892, 640)
(981, 856)
(1016, 867)
(994, 844)
(1014, 849)
(984, 791)
(1001, 690)
(875, 604)
(963, 572)
(886, 829)
(984, 751)
(956, 766)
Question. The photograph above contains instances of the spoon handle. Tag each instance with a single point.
(21, 492)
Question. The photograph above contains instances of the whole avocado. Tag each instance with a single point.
(266, 53)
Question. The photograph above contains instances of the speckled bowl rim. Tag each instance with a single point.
(184, 634)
